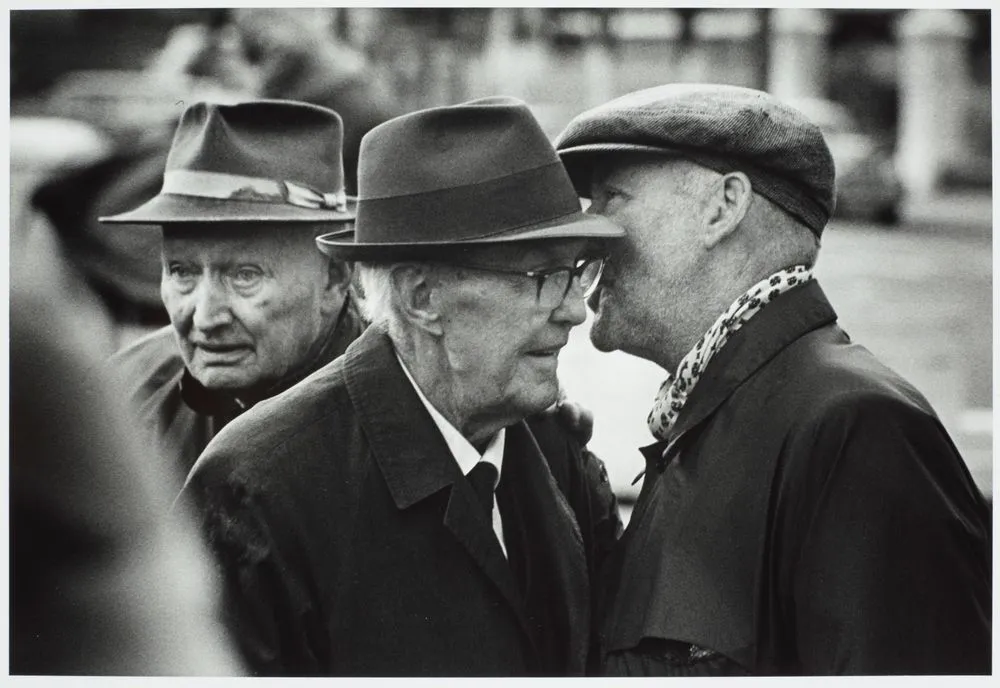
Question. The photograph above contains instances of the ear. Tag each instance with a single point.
(414, 285)
(338, 279)
(727, 208)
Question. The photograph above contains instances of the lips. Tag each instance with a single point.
(220, 348)
(221, 354)
(547, 351)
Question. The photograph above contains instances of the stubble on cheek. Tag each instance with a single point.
(600, 329)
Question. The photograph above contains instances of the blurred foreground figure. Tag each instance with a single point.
(254, 306)
(99, 583)
(803, 510)
(355, 515)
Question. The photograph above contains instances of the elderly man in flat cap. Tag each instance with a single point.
(393, 514)
(253, 306)
(802, 511)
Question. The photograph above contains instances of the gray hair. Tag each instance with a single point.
(375, 299)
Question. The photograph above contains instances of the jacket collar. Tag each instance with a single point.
(207, 402)
(411, 453)
(784, 320)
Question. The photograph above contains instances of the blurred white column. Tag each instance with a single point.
(934, 91)
(726, 47)
(599, 70)
(799, 56)
(363, 25)
(648, 48)
(506, 66)
(596, 62)
(496, 64)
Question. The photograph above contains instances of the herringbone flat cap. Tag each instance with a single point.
(724, 128)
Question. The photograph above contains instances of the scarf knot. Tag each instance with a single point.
(676, 389)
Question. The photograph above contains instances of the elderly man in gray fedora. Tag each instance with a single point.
(253, 306)
(393, 514)
(803, 510)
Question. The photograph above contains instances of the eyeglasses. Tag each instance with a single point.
(554, 283)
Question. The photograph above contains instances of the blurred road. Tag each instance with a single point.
(919, 296)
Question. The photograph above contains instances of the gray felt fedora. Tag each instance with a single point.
(481, 172)
(256, 161)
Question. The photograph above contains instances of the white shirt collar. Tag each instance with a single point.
(466, 455)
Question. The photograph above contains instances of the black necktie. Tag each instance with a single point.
(483, 478)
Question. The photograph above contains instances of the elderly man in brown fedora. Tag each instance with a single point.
(393, 514)
(803, 510)
(254, 307)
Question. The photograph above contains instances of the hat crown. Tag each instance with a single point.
(273, 161)
(709, 115)
(267, 139)
(443, 147)
(478, 172)
(720, 126)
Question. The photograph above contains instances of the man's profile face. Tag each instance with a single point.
(247, 303)
(648, 274)
(502, 346)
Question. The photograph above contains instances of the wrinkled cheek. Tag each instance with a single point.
(178, 308)
(282, 346)
(476, 360)
(483, 370)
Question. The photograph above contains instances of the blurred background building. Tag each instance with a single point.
(903, 95)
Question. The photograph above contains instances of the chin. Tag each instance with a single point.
(539, 399)
(222, 381)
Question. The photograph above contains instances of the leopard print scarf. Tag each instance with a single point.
(677, 387)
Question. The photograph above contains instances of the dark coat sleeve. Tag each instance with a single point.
(267, 605)
(583, 479)
(892, 574)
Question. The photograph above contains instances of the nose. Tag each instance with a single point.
(572, 309)
(211, 306)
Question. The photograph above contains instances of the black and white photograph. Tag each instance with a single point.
(528, 342)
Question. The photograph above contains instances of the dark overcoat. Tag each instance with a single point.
(810, 514)
(351, 544)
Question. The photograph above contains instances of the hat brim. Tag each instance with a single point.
(578, 160)
(175, 208)
(341, 245)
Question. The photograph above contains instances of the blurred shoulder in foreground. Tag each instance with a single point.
(99, 585)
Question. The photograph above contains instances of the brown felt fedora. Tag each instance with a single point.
(477, 173)
(256, 161)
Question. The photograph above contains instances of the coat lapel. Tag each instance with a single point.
(789, 317)
(414, 458)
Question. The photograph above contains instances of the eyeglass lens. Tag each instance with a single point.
(557, 283)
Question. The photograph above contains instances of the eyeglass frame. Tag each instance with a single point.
(542, 274)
